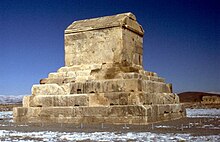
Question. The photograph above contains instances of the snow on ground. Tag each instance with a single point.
(211, 113)
(9, 135)
(6, 116)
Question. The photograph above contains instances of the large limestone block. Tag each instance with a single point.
(162, 112)
(67, 69)
(119, 98)
(126, 20)
(170, 98)
(155, 87)
(82, 79)
(164, 109)
(119, 85)
(96, 99)
(105, 86)
(58, 81)
(178, 109)
(133, 50)
(47, 89)
(56, 100)
(84, 48)
(84, 40)
(130, 114)
(19, 111)
(26, 101)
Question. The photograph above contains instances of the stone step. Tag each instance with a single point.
(130, 114)
(134, 75)
(76, 68)
(69, 74)
(82, 86)
(119, 85)
(101, 99)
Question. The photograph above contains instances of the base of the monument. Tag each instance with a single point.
(129, 114)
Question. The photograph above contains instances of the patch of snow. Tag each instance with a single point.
(6, 114)
(163, 126)
(100, 136)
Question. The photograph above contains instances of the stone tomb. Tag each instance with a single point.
(103, 80)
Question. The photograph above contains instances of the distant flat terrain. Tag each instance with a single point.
(9, 107)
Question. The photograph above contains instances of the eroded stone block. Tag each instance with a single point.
(47, 89)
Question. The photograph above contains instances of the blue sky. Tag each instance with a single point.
(181, 41)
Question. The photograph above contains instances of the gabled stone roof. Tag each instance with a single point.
(125, 20)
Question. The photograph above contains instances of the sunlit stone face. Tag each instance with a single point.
(92, 47)
(104, 40)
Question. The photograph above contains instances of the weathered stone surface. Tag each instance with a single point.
(56, 100)
(103, 80)
(47, 89)
(130, 114)
(125, 20)
(118, 38)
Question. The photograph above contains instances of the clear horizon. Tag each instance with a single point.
(181, 41)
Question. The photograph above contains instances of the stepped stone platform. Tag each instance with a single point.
(103, 80)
